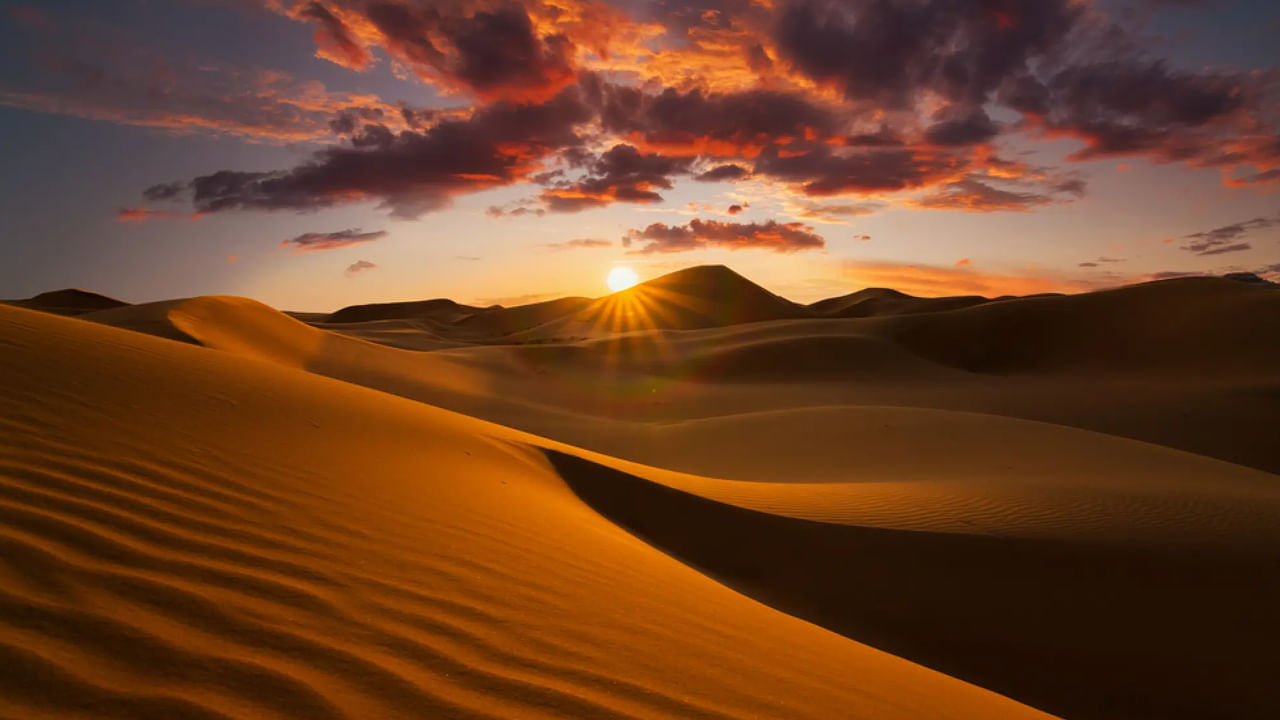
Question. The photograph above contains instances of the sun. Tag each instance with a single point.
(621, 278)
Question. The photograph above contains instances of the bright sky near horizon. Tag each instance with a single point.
(315, 154)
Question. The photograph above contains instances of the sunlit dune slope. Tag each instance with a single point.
(189, 533)
(71, 301)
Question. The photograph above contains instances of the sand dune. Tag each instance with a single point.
(1075, 625)
(884, 301)
(71, 301)
(440, 309)
(193, 534)
(699, 297)
(1131, 371)
(1068, 500)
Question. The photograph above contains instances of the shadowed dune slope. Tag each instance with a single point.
(188, 533)
(873, 302)
(1211, 324)
(1075, 625)
(499, 322)
(71, 301)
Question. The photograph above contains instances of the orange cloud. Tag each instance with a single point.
(143, 215)
(934, 281)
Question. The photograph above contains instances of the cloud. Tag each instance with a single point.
(1064, 66)
(820, 171)
(978, 196)
(1221, 240)
(1100, 261)
(334, 40)
(933, 281)
(723, 173)
(888, 52)
(964, 262)
(735, 209)
(970, 128)
(832, 213)
(410, 172)
(599, 103)
(359, 266)
(318, 241)
(107, 74)
(621, 174)
(704, 234)
(143, 215)
(497, 54)
(579, 244)
(726, 124)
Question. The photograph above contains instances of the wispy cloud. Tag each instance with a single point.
(320, 241)
(1224, 239)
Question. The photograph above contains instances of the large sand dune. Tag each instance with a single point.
(193, 534)
(691, 499)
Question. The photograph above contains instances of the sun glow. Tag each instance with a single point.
(621, 278)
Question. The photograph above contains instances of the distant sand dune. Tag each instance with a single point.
(71, 301)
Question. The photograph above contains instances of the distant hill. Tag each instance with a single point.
(439, 309)
(697, 297)
(501, 321)
(874, 302)
(71, 301)
(1212, 323)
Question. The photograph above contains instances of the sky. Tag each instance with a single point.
(316, 154)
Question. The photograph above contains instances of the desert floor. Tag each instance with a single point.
(691, 499)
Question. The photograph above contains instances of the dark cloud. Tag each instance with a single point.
(360, 266)
(621, 174)
(164, 191)
(1137, 106)
(318, 241)
(888, 52)
(714, 124)
(1221, 240)
(349, 120)
(735, 209)
(497, 54)
(819, 170)
(723, 173)
(1068, 71)
(410, 172)
(704, 234)
(968, 129)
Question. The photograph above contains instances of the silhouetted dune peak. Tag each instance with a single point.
(70, 301)
(439, 309)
